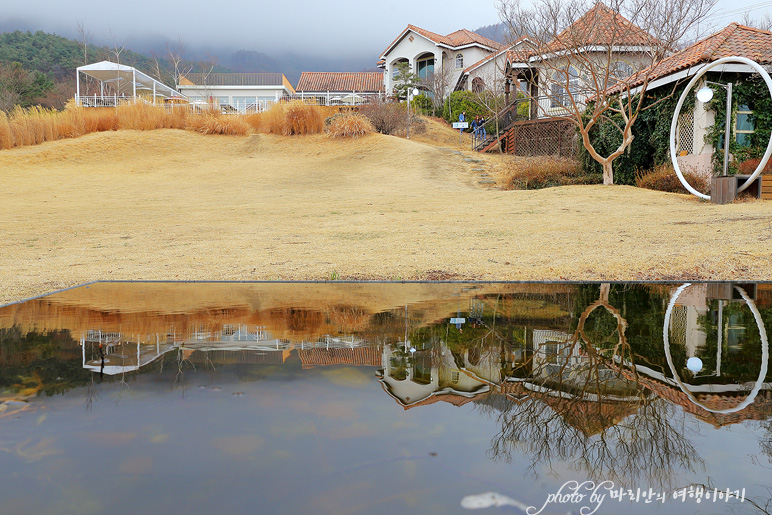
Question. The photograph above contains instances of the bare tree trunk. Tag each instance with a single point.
(608, 173)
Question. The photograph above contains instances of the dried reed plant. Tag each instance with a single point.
(219, 124)
(664, 178)
(296, 117)
(350, 126)
(35, 125)
(546, 171)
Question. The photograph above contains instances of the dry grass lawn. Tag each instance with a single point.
(176, 205)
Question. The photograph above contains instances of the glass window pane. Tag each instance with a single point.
(744, 139)
(744, 122)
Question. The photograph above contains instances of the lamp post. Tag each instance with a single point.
(415, 92)
(704, 95)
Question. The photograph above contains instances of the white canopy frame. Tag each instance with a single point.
(125, 81)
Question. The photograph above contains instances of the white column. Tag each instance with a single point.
(77, 87)
(134, 84)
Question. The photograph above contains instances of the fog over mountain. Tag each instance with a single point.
(290, 37)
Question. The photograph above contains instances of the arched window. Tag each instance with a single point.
(478, 85)
(425, 66)
(564, 81)
(459, 61)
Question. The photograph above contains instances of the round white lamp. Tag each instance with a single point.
(705, 94)
(694, 364)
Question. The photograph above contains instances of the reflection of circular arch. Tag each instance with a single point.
(674, 123)
(764, 352)
(621, 322)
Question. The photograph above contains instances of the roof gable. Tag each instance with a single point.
(602, 26)
(454, 40)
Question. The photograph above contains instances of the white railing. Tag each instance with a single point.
(242, 108)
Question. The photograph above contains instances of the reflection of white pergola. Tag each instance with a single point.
(127, 83)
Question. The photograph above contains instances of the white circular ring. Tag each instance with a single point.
(674, 123)
(764, 353)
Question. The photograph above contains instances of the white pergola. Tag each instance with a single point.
(125, 80)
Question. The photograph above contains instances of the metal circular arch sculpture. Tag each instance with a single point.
(764, 353)
(674, 123)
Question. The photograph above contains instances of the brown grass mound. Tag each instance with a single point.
(350, 126)
(543, 172)
(664, 178)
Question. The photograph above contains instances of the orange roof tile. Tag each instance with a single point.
(601, 25)
(734, 40)
(453, 40)
(337, 81)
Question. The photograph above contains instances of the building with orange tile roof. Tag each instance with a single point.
(334, 88)
(695, 154)
(429, 53)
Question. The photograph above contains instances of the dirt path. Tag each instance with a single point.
(175, 205)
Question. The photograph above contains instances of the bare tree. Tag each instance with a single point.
(176, 53)
(439, 83)
(84, 38)
(594, 65)
(763, 23)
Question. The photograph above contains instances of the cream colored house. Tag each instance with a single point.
(429, 53)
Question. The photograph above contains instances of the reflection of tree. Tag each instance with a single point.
(647, 447)
(586, 410)
(48, 362)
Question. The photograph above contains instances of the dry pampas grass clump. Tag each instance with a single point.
(35, 125)
(664, 178)
(296, 117)
(233, 125)
(546, 171)
(349, 126)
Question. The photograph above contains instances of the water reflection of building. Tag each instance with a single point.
(426, 376)
(115, 353)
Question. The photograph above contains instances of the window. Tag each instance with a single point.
(744, 126)
(459, 61)
(242, 103)
(619, 70)
(478, 85)
(564, 81)
(426, 67)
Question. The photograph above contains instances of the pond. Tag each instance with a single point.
(387, 397)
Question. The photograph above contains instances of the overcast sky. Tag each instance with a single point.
(348, 28)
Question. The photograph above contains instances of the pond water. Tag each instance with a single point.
(387, 397)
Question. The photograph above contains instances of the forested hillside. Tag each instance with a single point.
(39, 68)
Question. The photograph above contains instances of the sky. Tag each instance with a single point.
(347, 28)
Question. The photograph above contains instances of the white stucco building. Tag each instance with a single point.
(429, 53)
(241, 92)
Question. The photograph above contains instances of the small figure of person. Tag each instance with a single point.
(476, 127)
(461, 118)
(481, 127)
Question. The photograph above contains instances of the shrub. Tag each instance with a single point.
(664, 178)
(747, 167)
(349, 125)
(546, 171)
(422, 104)
(386, 117)
(459, 101)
